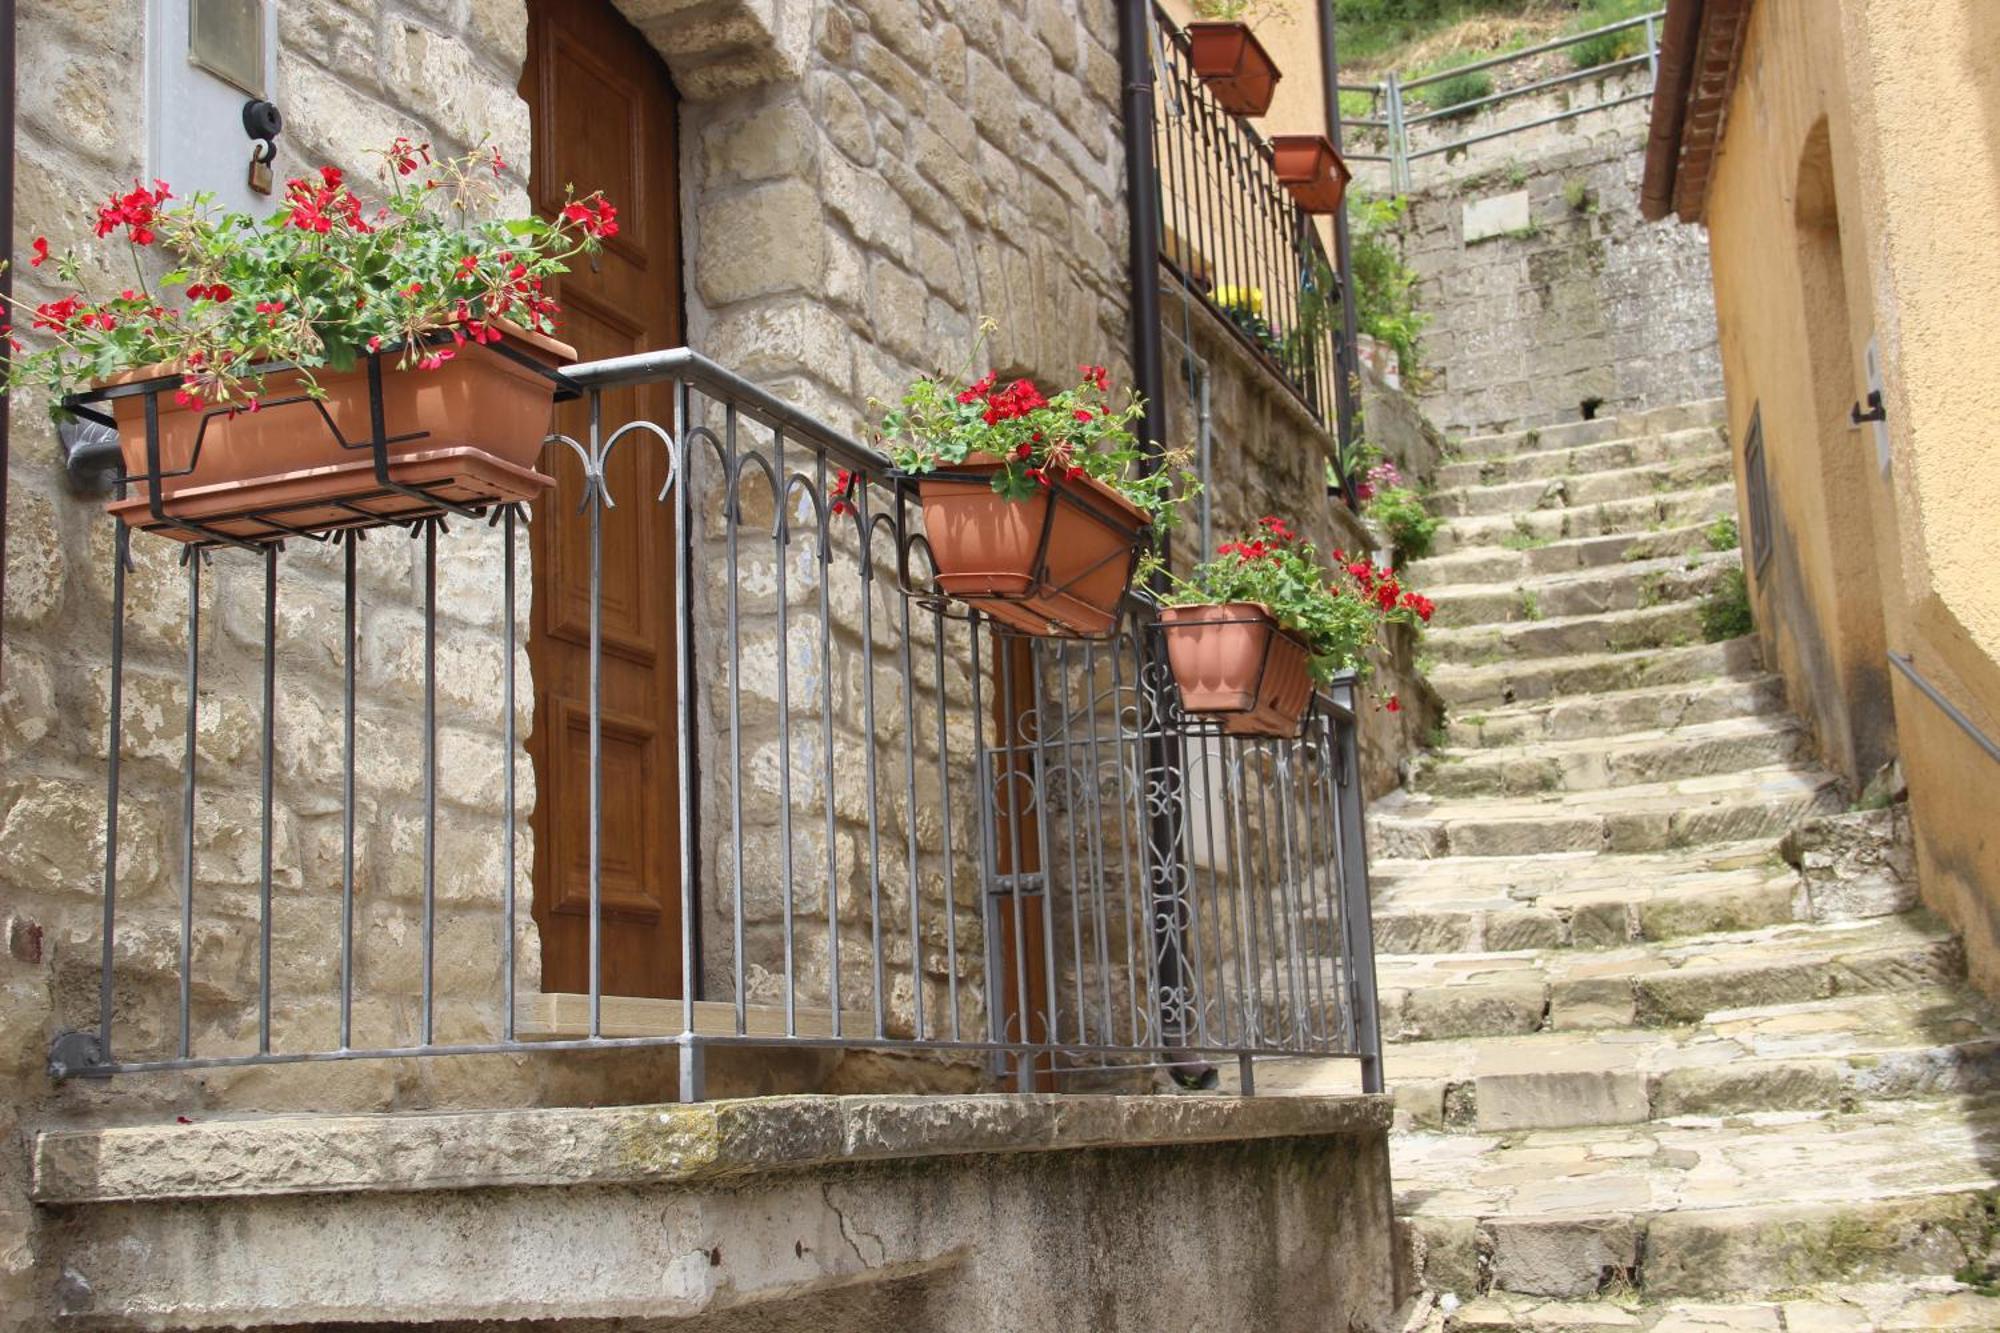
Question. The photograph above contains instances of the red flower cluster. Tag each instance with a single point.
(1016, 400)
(405, 156)
(58, 314)
(41, 252)
(316, 208)
(595, 214)
(214, 291)
(1278, 528)
(1379, 586)
(1254, 550)
(132, 211)
(1097, 376)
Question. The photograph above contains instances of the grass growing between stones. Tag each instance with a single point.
(1725, 612)
(1722, 535)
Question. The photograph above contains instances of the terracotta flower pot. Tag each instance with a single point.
(1056, 564)
(1235, 66)
(1307, 166)
(480, 420)
(1233, 662)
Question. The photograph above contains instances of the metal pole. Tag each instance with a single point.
(1346, 361)
(1356, 912)
(1652, 54)
(1399, 142)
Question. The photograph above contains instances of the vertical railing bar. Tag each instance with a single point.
(114, 753)
(1344, 971)
(780, 539)
(194, 561)
(1331, 967)
(1064, 697)
(267, 760)
(732, 528)
(1100, 922)
(1052, 1033)
(1159, 853)
(430, 776)
(1358, 919)
(1290, 895)
(1208, 749)
(1191, 906)
(349, 541)
(680, 462)
(826, 740)
(1243, 909)
(869, 752)
(1009, 724)
(913, 856)
(596, 500)
(1128, 833)
(950, 847)
(987, 802)
(1270, 883)
(507, 687)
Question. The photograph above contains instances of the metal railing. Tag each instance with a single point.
(1395, 112)
(896, 826)
(1232, 236)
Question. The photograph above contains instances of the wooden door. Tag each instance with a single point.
(603, 118)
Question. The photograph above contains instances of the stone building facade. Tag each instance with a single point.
(857, 185)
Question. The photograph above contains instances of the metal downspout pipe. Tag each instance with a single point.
(1347, 361)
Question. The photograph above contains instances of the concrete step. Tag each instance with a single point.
(1581, 900)
(1498, 564)
(1819, 1055)
(1672, 625)
(1887, 1189)
(1576, 460)
(1930, 1302)
(1626, 587)
(1438, 997)
(1656, 421)
(1502, 683)
(1638, 516)
(1654, 707)
(1585, 488)
(1623, 760)
(1649, 817)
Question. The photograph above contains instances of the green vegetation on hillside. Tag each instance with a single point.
(1419, 37)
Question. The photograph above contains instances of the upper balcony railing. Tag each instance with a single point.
(1232, 236)
(884, 822)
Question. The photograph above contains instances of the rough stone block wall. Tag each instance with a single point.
(1544, 285)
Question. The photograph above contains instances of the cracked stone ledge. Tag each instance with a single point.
(642, 1144)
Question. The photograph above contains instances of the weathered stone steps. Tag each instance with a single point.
(1434, 997)
(1887, 1189)
(1673, 625)
(1648, 708)
(1640, 515)
(1628, 587)
(1503, 683)
(1593, 763)
(1498, 564)
(1574, 460)
(1569, 435)
(1649, 817)
(1584, 489)
(1929, 1303)
(1820, 1055)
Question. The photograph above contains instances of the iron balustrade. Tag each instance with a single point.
(899, 826)
(1394, 112)
(1232, 236)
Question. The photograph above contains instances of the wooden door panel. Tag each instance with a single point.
(603, 119)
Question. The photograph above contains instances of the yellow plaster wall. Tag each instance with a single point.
(1863, 563)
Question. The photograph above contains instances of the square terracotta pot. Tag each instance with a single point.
(1238, 71)
(1234, 663)
(1308, 166)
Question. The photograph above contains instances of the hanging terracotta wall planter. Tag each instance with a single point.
(1234, 663)
(1307, 166)
(477, 424)
(1054, 564)
(1235, 66)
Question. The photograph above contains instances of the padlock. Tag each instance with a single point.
(260, 166)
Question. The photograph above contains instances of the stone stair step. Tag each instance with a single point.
(1935, 1304)
(1627, 587)
(1585, 488)
(1581, 900)
(1639, 516)
(1576, 460)
(1503, 683)
(1653, 707)
(1647, 817)
(1674, 625)
(1653, 421)
(1886, 1189)
(1498, 564)
(1430, 997)
(1623, 760)
(1819, 1055)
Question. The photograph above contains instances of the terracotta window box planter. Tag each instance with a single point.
(1236, 665)
(1307, 166)
(1235, 66)
(1057, 565)
(468, 433)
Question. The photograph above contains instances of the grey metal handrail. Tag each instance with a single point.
(1903, 663)
(840, 774)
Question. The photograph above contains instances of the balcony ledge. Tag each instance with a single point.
(632, 1145)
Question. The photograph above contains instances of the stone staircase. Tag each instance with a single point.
(1645, 1077)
